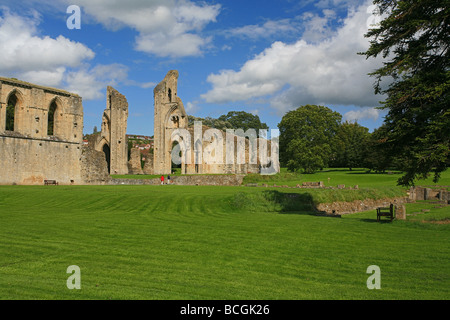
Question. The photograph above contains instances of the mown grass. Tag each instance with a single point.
(336, 176)
(291, 199)
(427, 211)
(182, 242)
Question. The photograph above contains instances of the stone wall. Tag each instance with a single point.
(134, 164)
(112, 138)
(358, 205)
(313, 184)
(45, 138)
(169, 115)
(94, 169)
(209, 180)
(29, 161)
(204, 149)
(148, 166)
(32, 111)
(117, 106)
(194, 180)
(424, 193)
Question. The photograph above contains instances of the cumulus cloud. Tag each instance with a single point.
(192, 107)
(90, 83)
(169, 28)
(365, 113)
(317, 27)
(40, 59)
(289, 75)
(266, 30)
(55, 62)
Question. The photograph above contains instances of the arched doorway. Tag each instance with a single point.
(107, 151)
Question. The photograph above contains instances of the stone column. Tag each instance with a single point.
(400, 212)
(134, 165)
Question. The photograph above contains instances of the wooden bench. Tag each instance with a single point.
(385, 212)
(50, 182)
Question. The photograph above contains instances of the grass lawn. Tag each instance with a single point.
(335, 176)
(330, 177)
(184, 242)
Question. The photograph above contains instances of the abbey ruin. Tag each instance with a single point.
(41, 134)
(41, 138)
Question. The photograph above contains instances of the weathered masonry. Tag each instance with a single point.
(41, 138)
(41, 134)
(169, 116)
(207, 150)
(112, 140)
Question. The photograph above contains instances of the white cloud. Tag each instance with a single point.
(192, 107)
(327, 72)
(40, 59)
(268, 29)
(365, 113)
(52, 78)
(337, 3)
(166, 28)
(55, 62)
(147, 85)
(161, 44)
(91, 83)
(317, 27)
(226, 47)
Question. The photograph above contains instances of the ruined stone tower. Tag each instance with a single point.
(112, 140)
(169, 116)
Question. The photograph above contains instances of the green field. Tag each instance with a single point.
(184, 242)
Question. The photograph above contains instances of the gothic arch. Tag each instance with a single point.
(14, 105)
(54, 117)
(168, 118)
(105, 148)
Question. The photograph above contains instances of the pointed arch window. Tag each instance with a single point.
(11, 112)
(51, 118)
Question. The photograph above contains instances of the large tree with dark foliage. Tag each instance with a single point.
(306, 136)
(350, 146)
(414, 40)
(243, 120)
(232, 120)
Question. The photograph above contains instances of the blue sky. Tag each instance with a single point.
(264, 57)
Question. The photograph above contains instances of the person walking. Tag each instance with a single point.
(168, 179)
(162, 179)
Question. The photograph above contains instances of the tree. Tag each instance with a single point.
(243, 120)
(350, 145)
(379, 156)
(414, 38)
(232, 120)
(306, 135)
(210, 122)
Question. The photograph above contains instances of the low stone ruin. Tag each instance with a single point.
(440, 193)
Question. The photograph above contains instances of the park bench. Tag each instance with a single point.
(385, 212)
(50, 182)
